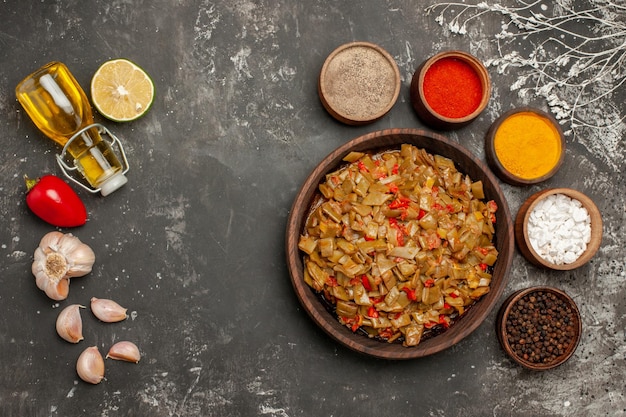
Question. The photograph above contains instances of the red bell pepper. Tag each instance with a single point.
(366, 282)
(393, 188)
(399, 203)
(55, 202)
(410, 293)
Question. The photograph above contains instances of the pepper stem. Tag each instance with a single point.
(30, 183)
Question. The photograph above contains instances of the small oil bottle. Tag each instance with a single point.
(59, 107)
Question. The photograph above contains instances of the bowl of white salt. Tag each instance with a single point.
(558, 228)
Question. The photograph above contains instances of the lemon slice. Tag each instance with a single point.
(121, 91)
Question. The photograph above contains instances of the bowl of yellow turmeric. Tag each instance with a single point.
(525, 146)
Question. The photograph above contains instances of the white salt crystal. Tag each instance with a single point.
(559, 229)
(580, 214)
(569, 257)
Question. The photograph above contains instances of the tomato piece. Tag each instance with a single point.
(55, 202)
(410, 293)
(393, 188)
(366, 282)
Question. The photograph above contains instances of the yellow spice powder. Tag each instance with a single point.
(527, 145)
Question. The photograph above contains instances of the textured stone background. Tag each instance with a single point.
(193, 245)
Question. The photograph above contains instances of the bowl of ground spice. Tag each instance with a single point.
(450, 90)
(525, 146)
(539, 327)
(359, 83)
(558, 228)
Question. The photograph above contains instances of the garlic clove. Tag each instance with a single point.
(51, 240)
(90, 365)
(57, 258)
(107, 311)
(54, 284)
(124, 351)
(81, 260)
(58, 291)
(69, 324)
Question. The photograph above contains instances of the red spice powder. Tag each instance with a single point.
(452, 88)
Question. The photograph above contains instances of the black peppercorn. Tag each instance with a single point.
(539, 327)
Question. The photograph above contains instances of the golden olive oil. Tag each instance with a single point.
(59, 107)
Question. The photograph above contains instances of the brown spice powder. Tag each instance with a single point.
(360, 83)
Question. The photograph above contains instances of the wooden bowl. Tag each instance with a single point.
(521, 229)
(424, 109)
(385, 140)
(508, 328)
(359, 83)
(543, 121)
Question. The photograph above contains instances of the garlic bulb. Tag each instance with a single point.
(124, 351)
(107, 311)
(90, 365)
(69, 323)
(58, 258)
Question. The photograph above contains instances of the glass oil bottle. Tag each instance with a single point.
(58, 106)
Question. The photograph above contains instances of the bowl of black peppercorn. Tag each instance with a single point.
(539, 327)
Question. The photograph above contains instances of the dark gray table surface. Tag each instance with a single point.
(193, 245)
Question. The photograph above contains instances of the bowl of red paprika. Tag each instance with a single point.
(450, 90)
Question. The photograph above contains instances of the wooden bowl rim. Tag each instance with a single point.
(476, 65)
(495, 164)
(324, 319)
(322, 87)
(521, 226)
(501, 326)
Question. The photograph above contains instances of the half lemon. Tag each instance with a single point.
(121, 91)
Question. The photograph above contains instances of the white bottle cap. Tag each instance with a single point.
(112, 184)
